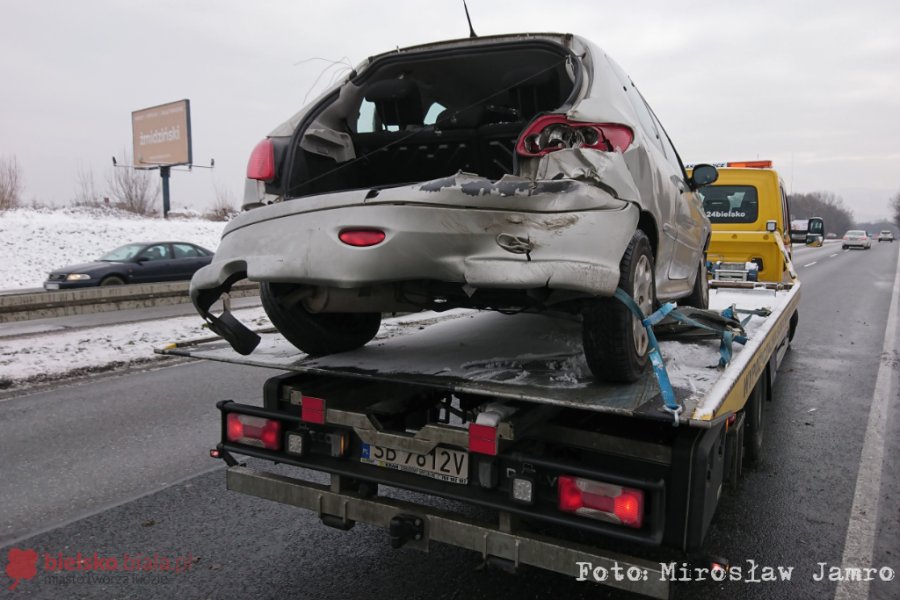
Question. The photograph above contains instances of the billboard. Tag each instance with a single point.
(162, 135)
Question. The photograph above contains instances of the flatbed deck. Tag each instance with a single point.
(536, 358)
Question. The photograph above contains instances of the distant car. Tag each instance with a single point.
(831, 236)
(144, 262)
(886, 236)
(856, 238)
(511, 173)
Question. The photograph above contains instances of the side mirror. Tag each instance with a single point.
(703, 175)
(141, 260)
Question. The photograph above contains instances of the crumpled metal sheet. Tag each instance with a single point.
(606, 169)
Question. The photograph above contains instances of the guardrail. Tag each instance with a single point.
(42, 305)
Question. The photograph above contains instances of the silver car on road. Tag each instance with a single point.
(509, 173)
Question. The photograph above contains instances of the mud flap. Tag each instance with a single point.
(243, 340)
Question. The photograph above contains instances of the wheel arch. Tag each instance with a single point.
(648, 225)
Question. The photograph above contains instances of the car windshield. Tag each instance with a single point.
(730, 203)
(123, 253)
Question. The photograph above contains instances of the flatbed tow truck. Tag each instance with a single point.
(499, 414)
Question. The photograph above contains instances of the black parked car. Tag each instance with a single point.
(143, 262)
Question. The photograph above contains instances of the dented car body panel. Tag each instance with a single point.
(450, 230)
(424, 145)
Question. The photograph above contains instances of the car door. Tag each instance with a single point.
(187, 258)
(688, 218)
(154, 263)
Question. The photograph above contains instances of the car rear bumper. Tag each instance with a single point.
(568, 240)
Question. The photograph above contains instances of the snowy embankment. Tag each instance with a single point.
(33, 242)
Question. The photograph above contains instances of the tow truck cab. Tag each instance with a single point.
(748, 209)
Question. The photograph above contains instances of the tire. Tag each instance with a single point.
(843, 247)
(112, 280)
(699, 297)
(615, 343)
(755, 423)
(792, 327)
(317, 334)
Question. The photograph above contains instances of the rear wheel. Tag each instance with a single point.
(317, 334)
(699, 297)
(615, 342)
(755, 410)
(112, 280)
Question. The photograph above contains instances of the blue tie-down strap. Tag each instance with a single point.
(656, 359)
(729, 333)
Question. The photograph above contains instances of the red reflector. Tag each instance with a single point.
(555, 132)
(482, 439)
(253, 431)
(215, 453)
(261, 165)
(602, 501)
(361, 238)
(312, 410)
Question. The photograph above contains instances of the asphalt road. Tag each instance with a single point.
(129, 452)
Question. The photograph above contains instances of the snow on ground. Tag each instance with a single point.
(34, 242)
(56, 354)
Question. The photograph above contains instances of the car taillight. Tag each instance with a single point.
(253, 431)
(602, 501)
(261, 165)
(555, 132)
(361, 238)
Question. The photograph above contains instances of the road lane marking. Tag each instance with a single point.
(811, 264)
(833, 255)
(860, 542)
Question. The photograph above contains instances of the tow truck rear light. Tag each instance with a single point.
(361, 238)
(555, 132)
(601, 501)
(253, 431)
(482, 439)
(261, 165)
(312, 410)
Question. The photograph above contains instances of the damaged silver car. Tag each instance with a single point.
(509, 173)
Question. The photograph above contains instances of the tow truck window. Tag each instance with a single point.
(730, 203)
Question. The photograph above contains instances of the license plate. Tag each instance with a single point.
(51, 286)
(441, 463)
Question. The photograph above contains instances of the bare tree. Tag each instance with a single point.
(11, 183)
(133, 190)
(86, 193)
(895, 204)
(224, 206)
(827, 205)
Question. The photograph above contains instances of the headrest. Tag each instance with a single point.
(397, 102)
(466, 118)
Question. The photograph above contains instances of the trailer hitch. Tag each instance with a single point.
(404, 528)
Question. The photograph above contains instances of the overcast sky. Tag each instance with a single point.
(814, 86)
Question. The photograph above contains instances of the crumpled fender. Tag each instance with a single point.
(605, 169)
